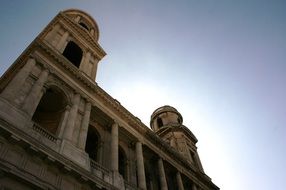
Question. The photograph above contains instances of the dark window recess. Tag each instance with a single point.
(73, 53)
(148, 177)
(83, 25)
(122, 162)
(92, 143)
(50, 110)
(159, 122)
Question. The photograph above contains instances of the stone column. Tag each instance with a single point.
(62, 42)
(140, 167)
(194, 187)
(13, 87)
(64, 121)
(100, 152)
(162, 175)
(69, 129)
(84, 126)
(33, 98)
(179, 181)
(114, 147)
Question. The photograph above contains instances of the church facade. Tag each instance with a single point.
(60, 130)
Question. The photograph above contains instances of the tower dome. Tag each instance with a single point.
(86, 22)
(165, 116)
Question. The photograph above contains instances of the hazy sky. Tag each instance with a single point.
(221, 63)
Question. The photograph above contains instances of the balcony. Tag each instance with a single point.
(36, 127)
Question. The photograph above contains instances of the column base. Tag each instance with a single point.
(75, 154)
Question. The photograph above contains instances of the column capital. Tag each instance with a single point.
(115, 122)
(88, 106)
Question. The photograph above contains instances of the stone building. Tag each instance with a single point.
(60, 130)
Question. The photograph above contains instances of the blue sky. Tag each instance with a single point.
(221, 63)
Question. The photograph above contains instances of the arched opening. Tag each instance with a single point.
(73, 53)
(159, 122)
(50, 110)
(92, 143)
(122, 163)
(84, 25)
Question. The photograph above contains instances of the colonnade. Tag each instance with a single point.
(141, 179)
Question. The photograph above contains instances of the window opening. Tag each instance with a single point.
(159, 122)
(148, 176)
(92, 143)
(73, 53)
(50, 110)
(122, 163)
(84, 25)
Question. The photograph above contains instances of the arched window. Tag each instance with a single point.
(73, 53)
(50, 110)
(122, 163)
(92, 143)
(84, 25)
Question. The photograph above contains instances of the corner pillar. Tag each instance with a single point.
(11, 90)
(94, 68)
(62, 42)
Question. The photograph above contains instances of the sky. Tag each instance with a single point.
(221, 63)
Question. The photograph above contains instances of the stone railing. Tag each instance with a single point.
(36, 127)
(100, 171)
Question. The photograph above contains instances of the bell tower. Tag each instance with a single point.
(74, 34)
(49, 89)
(167, 123)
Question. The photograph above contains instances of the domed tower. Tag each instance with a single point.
(74, 34)
(50, 86)
(167, 123)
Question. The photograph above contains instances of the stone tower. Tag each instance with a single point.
(167, 123)
(60, 130)
(44, 86)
